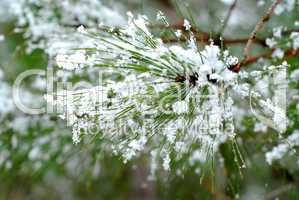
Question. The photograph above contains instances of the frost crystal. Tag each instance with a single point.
(295, 37)
(278, 53)
(187, 25)
(270, 42)
(282, 149)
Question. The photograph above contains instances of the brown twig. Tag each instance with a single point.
(206, 38)
(258, 27)
(202, 36)
(166, 3)
(252, 59)
(244, 40)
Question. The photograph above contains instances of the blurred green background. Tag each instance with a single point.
(62, 170)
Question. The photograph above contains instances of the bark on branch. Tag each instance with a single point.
(258, 27)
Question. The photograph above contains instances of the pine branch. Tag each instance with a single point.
(258, 27)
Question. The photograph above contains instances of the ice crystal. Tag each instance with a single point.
(295, 37)
(279, 151)
(187, 25)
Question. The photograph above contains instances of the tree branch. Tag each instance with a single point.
(206, 38)
(258, 27)
(202, 36)
(252, 59)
